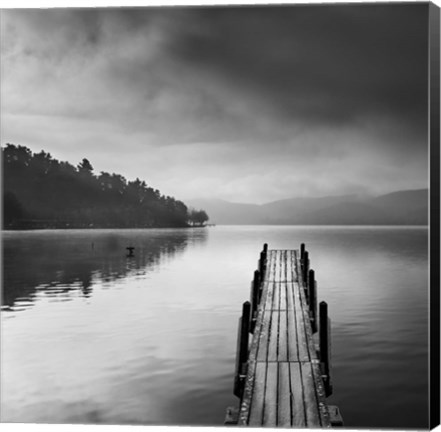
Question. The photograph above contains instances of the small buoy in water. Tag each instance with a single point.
(130, 249)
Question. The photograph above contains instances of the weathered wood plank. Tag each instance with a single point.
(268, 301)
(274, 335)
(282, 274)
(276, 296)
(262, 351)
(298, 268)
(300, 330)
(290, 296)
(310, 397)
(270, 404)
(293, 350)
(258, 398)
(283, 337)
(284, 399)
(250, 378)
(282, 294)
(277, 272)
(288, 270)
(271, 266)
(325, 417)
(293, 260)
(272, 274)
(297, 400)
(307, 327)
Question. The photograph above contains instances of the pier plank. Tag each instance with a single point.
(304, 308)
(289, 296)
(276, 296)
(282, 268)
(283, 337)
(282, 294)
(272, 276)
(297, 403)
(310, 397)
(279, 265)
(325, 417)
(293, 349)
(300, 323)
(292, 263)
(274, 335)
(280, 277)
(252, 363)
(256, 409)
(270, 404)
(290, 272)
(262, 353)
(284, 403)
(271, 265)
(267, 301)
(283, 274)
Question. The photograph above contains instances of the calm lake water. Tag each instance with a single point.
(91, 336)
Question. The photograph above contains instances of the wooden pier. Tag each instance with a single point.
(282, 375)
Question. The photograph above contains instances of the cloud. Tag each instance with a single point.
(251, 103)
(329, 63)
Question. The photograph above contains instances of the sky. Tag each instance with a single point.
(247, 104)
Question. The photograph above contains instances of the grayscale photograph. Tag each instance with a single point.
(219, 215)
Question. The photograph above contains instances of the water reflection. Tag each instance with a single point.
(57, 263)
(151, 339)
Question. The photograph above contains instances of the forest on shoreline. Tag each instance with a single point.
(41, 192)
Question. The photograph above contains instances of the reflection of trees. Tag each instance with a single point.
(61, 261)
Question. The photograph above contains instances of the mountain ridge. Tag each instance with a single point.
(404, 207)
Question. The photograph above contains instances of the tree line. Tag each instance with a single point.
(42, 192)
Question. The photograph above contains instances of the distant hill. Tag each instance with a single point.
(398, 208)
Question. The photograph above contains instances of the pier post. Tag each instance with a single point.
(312, 298)
(302, 251)
(242, 351)
(245, 328)
(325, 346)
(255, 299)
(305, 267)
(262, 263)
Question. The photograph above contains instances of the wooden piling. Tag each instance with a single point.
(312, 299)
(305, 263)
(262, 263)
(255, 299)
(242, 349)
(325, 351)
(302, 251)
(245, 328)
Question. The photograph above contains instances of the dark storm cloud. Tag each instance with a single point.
(319, 63)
